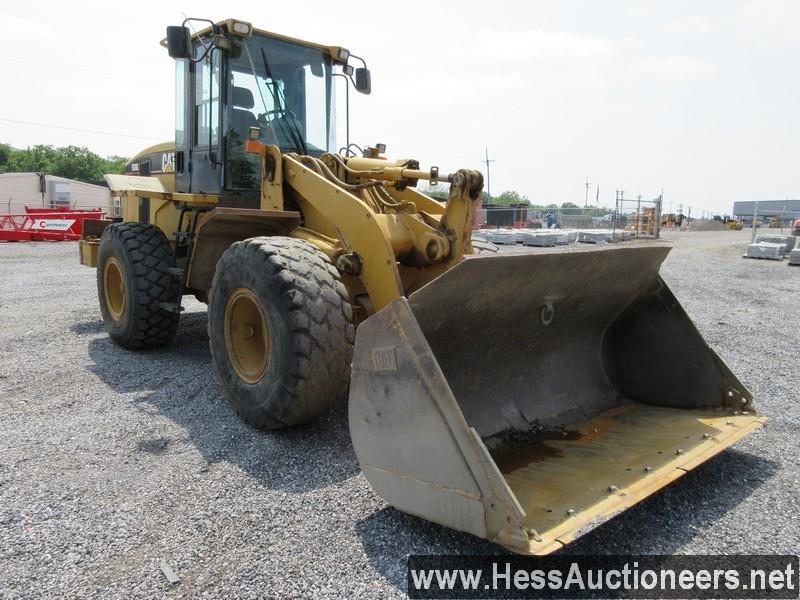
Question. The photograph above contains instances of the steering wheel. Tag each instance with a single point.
(262, 118)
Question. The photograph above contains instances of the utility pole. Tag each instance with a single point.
(639, 216)
(488, 185)
(586, 196)
(755, 223)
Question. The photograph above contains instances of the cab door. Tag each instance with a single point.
(183, 126)
(205, 160)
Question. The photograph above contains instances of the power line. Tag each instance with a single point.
(126, 135)
(106, 74)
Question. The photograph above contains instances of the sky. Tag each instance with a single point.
(700, 100)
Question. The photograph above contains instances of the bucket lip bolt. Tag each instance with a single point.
(736, 401)
(546, 313)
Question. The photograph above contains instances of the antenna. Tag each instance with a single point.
(488, 185)
(194, 31)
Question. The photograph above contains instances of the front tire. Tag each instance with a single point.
(133, 283)
(280, 330)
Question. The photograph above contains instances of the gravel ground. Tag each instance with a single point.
(112, 463)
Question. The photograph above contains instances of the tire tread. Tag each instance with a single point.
(319, 321)
(150, 255)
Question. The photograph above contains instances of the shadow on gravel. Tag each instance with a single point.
(178, 382)
(87, 327)
(660, 524)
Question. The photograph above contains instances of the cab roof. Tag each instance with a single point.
(333, 51)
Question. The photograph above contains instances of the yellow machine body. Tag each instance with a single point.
(524, 398)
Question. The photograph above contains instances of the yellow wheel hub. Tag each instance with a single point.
(114, 288)
(246, 335)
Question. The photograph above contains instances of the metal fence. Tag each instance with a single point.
(639, 218)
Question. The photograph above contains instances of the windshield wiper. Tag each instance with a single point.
(294, 130)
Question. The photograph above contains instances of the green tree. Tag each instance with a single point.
(40, 158)
(79, 163)
(510, 197)
(438, 194)
(114, 164)
(569, 205)
(72, 162)
(6, 152)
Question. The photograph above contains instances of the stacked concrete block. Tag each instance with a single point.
(542, 240)
(787, 240)
(503, 237)
(562, 239)
(572, 235)
(765, 250)
(523, 236)
(520, 235)
(794, 257)
(593, 237)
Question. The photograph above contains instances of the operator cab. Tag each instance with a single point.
(235, 83)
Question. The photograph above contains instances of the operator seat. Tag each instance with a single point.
(242, 169)
(241, 117)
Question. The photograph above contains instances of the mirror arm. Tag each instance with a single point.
(350, 77)
(363, 62)
(208, 47)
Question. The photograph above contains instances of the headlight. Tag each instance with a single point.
(342, 55)
(241, 28)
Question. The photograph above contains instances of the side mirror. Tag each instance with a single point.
(179, 42)
(363, 80)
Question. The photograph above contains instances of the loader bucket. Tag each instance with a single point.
(527, 398)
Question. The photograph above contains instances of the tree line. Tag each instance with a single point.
(71, 162)
(512, 198)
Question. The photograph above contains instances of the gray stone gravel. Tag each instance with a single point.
(112, 463)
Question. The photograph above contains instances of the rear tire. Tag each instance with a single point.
(280, 330)
(132, 282)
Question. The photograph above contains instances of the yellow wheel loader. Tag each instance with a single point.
(524, 398)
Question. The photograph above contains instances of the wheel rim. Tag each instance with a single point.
(114, 288)
(246, 335)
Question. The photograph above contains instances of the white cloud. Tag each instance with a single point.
(674, 69)
(694, 24)
(773, 23)
(558, 47)
(769, 24)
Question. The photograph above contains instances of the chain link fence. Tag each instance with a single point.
(635, 218)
